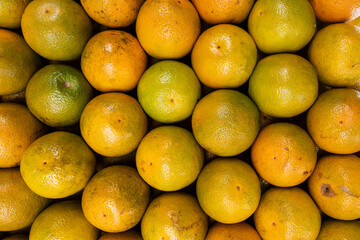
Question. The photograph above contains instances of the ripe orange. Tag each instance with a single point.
(16, 237)
(113, 60)
(238, 231)
(113, 124)
(224, 56)
(334, 230)
(334, 186)
(167, 29)
(112, 13)
(225, 122)
(127, 235)
(281, 25)
(334, 121)
(335, 10)
(168, 91)
(56, 29)
(11, 12)
(18, 62)
(228, 190)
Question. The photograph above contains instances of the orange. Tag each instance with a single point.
(169, 158)
(57, 94)
(283, 85)
(225, 122)
(11, 12)
(238, 231)
(224, 56)
(57, 165)
(56, 29)
(287, 214)
(113, 124)
(174, 216)
(334, 186)
(223, 11)
(168, 91)
(334, 121)
(335, 10)
(18, 129)
(113, 60)
(284, 154)
(113, 13)
(334, 229)
(128, 235)
(167, 29)
(19, 205)
(18, 62)
(282, 25)
(355, 21)
(63, 220)
(16, 237)
(334, 52)
(115, 199)
(228, 190)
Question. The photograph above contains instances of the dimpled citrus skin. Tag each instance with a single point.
(113, 124)
(19, 205)
(333, 121)
(334, 229)
(225, 122)
(18, 62)
(57, 165)
(334, 52)
(63, 220)
(168, 91)
(224, 56)
(115, 199)
(117, 49)
(334, 185)
(48, 27)
(281, 25)
(238, 231)
(287, 213)
(167, 29)
(11, 12)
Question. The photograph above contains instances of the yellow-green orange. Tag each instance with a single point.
(283, 85)
(238, 231)
(127, 235)
(11, 12)
(225, 122)
(335, 229)
(57, 165)
(168, 91)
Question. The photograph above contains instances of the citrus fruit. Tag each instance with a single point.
(63, 220)
(11, 12)
(56, 29)
(283, 85)
(287, 213)
(284, 154)
(224, 56)
(225, 122)
(281, 25)
(334, 186)
(169, 158)
(334, 121)
(115, 199)
(334, 229)
(168, 91)
(127, 235)
(18, 129)
(57, 165)
(167, 29)
(19, 205)
(16, 237)
(238, 231)
(113, 13)
(224, 11)
(335, 10)
(228, 190)
(18, 62)
(173, 216)
(113, 124)
(113, 60)
(334, 52)
(57, 95)
(355, 21)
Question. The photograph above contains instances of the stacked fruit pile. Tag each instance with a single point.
(178, 119)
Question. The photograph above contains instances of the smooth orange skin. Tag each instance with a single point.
(167, 29)
(113, 60)
(334, 185)
(127, 235)
(333, 121)
(238, 231)
(333, 11)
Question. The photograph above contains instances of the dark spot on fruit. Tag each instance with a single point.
(119, 120)
(260, 13)
(326, 190)
(104, 215)
(117, 9)
(179, 1)
(172, 100)
(218, 47)
(150, 163)
(274, 224)
(44, 162)
(238, 188)
(305, 172)
(341, 122)
(212, 11)
(143, 169)
(102, 11)
(285, 148)
(46, 11)
(275, 158)
(122, 211)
